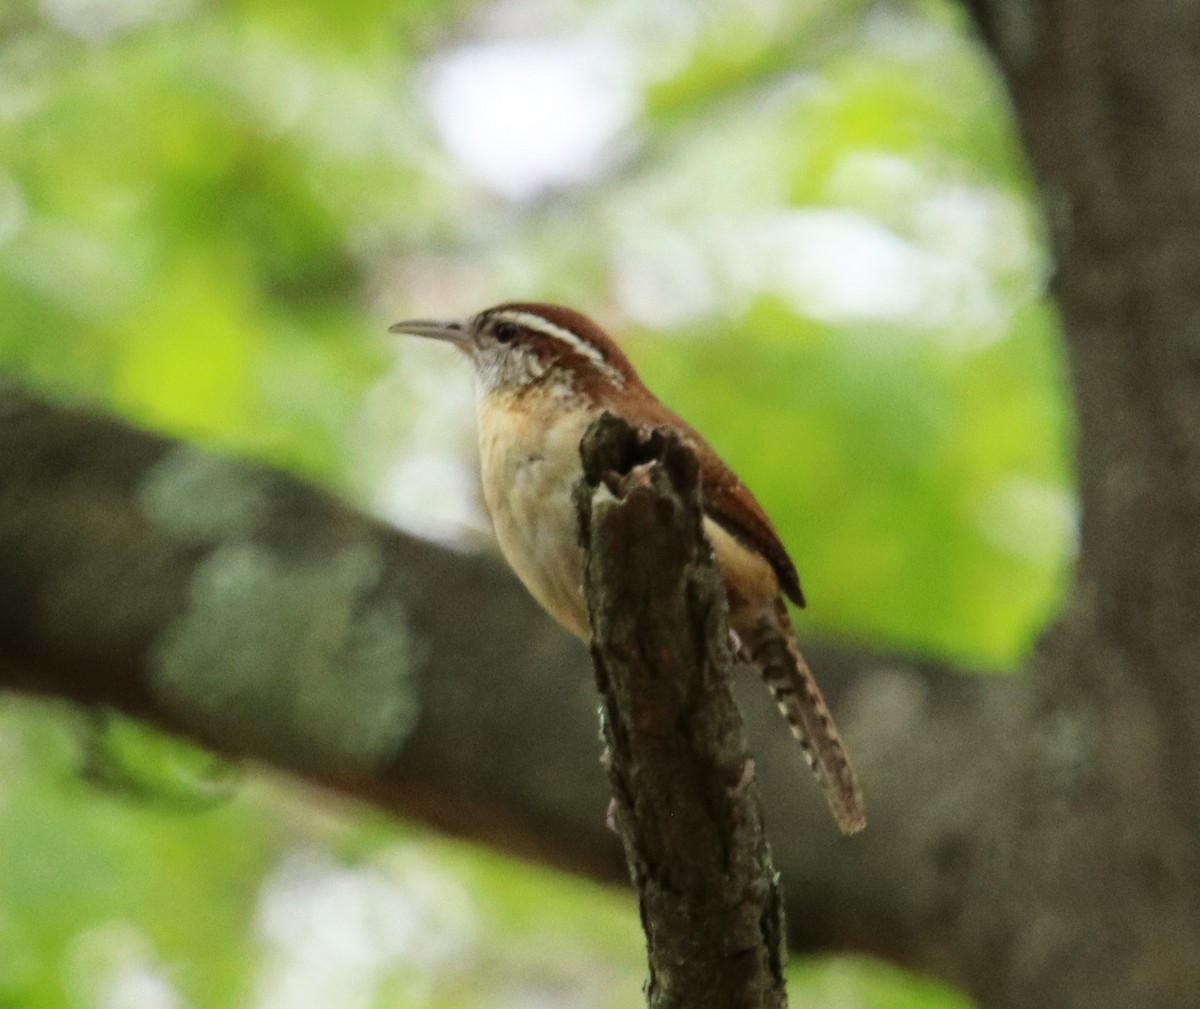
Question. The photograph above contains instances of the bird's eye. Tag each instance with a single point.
(505, 332)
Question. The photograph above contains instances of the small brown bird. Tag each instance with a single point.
(543, 373)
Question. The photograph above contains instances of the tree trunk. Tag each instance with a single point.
(1104, 805)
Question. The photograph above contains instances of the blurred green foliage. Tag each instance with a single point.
(811, 226)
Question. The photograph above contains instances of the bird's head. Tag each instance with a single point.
(518, 345)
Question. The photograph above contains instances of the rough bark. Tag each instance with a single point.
(685, 798)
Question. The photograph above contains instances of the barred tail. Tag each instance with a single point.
(771, 646)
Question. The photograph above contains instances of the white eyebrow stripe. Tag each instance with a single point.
(530, 320)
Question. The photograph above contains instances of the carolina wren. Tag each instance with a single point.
(543, 373)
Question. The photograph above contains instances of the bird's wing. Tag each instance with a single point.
(729, 503)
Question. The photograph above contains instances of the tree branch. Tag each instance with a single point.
(686, 802)
(247, 611)
(102, 565)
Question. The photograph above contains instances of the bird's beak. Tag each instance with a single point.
(452, 332)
